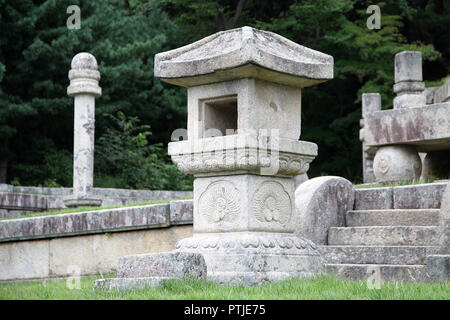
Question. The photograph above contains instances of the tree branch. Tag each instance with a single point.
(238, 13)
(221, 18)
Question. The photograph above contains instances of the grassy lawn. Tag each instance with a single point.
(323, 287)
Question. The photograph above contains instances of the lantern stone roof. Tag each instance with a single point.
(244, 53)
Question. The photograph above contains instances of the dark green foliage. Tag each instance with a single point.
(124, 159)
(364, 58)
(36, 116)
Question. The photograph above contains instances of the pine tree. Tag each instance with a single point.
(36, 116)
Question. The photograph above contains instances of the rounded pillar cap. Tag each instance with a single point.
(84, 60)
(84, 76)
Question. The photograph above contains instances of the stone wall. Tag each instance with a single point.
(89, 242)
(17, 200)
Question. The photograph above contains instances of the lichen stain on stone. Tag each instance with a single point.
(398, 131)
(381, 133)
(414, 130)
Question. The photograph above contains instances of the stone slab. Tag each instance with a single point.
(321, 203)
(243, 53)
(423, 196)
(410, 273)
(384, 236)
(108, 220)
(438, 267)
(103, 192)
(181, 212)
(373, 198)
(422, 127)
(22, 201)
(5, 213)
(397, 217)
(404, 255)
(442, 93)
(167, 265)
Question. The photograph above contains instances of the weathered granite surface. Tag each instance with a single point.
(408, 80)
(372, 254)
(409, 273)
(166, 264)
(371, 102)
(251, 258)
(438, 266)
(84, 77)
(181, 212)
(389, 217)
(384, 236)
(102, 192)
(417, 196)
(423, 196)
(239, 203)
(421, 127)
(244, 53)
(444, 223)
(108, 220)
(397, 164)
(321, 203)
(374, 198)
(18, 201)
(442, 93)
(242, 153)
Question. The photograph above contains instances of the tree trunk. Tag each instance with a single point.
(3, 171)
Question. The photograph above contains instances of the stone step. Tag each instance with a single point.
(384, 272)
(419, 196)
(393, 217)
(384, 236)
(395, 255)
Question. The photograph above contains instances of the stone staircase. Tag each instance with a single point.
(392, 243)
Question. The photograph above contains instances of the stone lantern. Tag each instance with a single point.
(244, 123)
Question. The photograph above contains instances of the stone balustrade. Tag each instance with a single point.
(419, 122)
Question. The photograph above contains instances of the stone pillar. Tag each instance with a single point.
(371, 102)
(84, 77)
(409, 86)
(438, 265)
(401, 163)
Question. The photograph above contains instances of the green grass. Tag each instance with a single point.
(322, 287)
(84, 209)
(437, 83)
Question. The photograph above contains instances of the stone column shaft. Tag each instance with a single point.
(83, 147)
(409, 86)
(371, 102)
